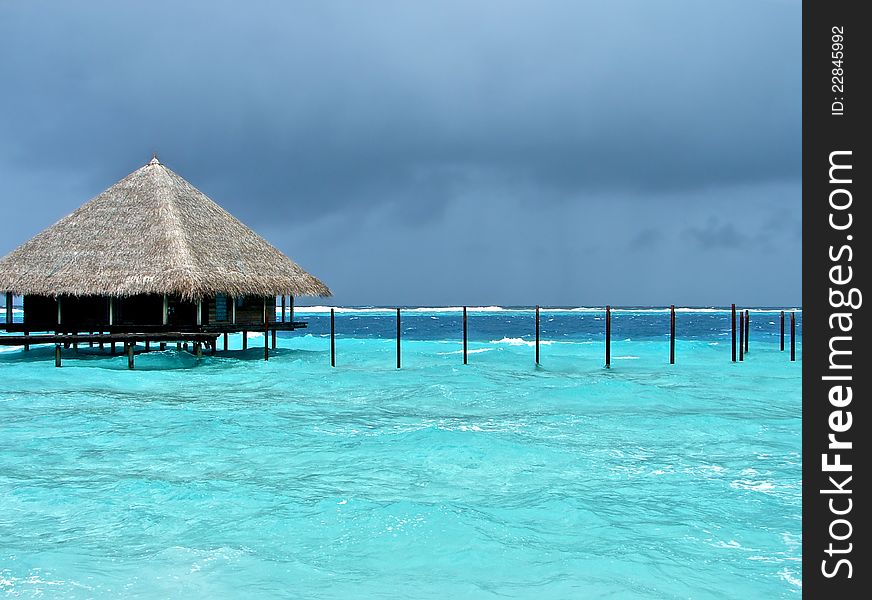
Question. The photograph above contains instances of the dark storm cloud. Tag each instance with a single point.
(293, 113)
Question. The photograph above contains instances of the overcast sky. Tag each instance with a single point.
(468, 152)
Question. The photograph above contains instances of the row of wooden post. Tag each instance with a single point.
(744, 335)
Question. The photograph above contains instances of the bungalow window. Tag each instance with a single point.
(220, 307)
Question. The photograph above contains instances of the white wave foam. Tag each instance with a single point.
(475, 351)
(520, 342)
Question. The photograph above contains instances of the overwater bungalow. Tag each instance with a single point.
(151, 258)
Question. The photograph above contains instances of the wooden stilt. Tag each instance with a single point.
(782, 331)
(57, 355)
(9, 308)
(608, 337)
(178, 345)
(332, 338)
(733, 329)
(90, 342)
(747, 328)
(163, 346)
(244, 340)
(198, 349)
(213, 346)
(283, 308)
(266, 341)
(291, 306)
(792, 336)
(147, 346)
(113, 348)
(26, 345)
(273, 339)
(741, 335)
(537, 334)
(465, 360)
(225, 342)
(398, 338)
(130, 355)
(185, 346)
(101, 341)
(672, 335)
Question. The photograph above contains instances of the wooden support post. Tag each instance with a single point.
(273, 339)
(57, 355)
(283, 308)
(782, 331)
(733, 329)
(8, 308)
(26, 345)
(465, 360)
(178, 345)
(398, 338)
(198, 349)
(76, 344)
(113, 348)
(332, 338)
(147, 346)
(199, 312)
(101, 340)
(130, 354)
(266, 341)
(537, 334)
(225, 342)
(90, 342)
(185, 346)
(792, 336)
(672, 335)
(608, 337)
(244, 340)
(163, 346)
(213, 346)
(747, 328)
(291, 302)
(741, 335)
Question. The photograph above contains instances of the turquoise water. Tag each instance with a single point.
(229, 476)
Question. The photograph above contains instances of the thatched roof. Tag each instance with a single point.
(152, 233)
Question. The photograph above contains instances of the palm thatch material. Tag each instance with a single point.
(152, 233)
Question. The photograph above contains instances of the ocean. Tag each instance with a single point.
(229, 476)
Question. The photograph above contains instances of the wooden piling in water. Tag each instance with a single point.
(464, 337)
(782, 331)
(112, 349)
(244, 340)
(225, 342)
(8, 308)
(130, 355)
(332, 337)
(537, 334)
(90, 342)
(283, 308)
(266, 341)
(198, 349)
(792, 336)
(147, 346)
(26, 345)
(747, 328)
(741, 335)
(57, 355)
(178, 345)
(733, 331)
(273, 339)
(608, 337)
(672, 335)
(163, 346)
(398, 338)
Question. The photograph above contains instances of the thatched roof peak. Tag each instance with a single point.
(152, 233)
